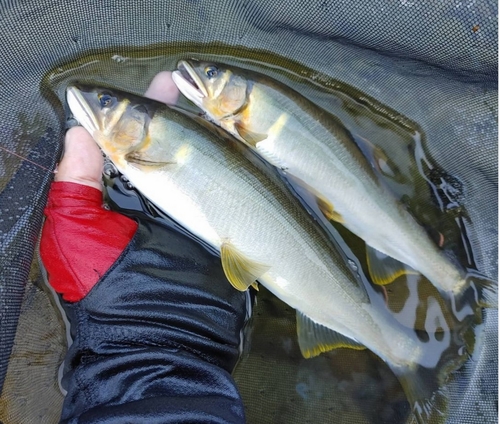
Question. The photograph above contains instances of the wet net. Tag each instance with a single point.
(432, 62)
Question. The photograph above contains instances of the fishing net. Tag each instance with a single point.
(435, 63)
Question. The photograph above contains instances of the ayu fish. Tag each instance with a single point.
(318, 152)
(260, 230)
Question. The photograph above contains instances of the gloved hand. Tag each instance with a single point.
(155, 324)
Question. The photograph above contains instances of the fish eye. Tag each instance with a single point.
(211, 71)
(105, 99)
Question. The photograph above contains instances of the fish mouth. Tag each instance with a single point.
(189, 83)
(81, 109)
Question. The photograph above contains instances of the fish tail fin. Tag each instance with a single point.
(487, 289)
(423, 392)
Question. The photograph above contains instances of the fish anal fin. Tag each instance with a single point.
(239, 270)
(315, 339)
(384, 269)
(251, 138)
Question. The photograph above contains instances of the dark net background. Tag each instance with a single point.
(435, 62)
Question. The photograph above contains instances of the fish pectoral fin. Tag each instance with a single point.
(143, 159)
(315, 338)
(252, 138)
(384, 269)
(151, 153)
(239, 270)
(310, 195)
(327, 209)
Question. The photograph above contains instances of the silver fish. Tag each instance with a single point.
(319, 153)
(260, 230)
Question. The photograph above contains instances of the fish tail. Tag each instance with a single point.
(426, 398)
(486, 288)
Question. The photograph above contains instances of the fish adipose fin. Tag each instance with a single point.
(239, 270)
(315, 338)
(384, 269)
(250, 137)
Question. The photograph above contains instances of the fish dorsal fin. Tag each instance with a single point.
(239, 270)
(251, 138)
(315, 338)
(310, 195)
(384, 269)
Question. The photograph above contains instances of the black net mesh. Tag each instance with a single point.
(433, 62)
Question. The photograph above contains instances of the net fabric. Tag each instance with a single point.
(35, 360)
(433, 62)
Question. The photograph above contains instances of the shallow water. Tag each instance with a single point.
(352, 386)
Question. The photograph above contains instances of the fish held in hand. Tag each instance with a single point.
(259, 228)
(318, 152)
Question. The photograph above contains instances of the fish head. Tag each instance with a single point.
(217, 90)
(117, 121)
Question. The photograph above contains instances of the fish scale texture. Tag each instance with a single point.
(434, 62)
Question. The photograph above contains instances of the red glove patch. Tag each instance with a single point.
(80, 239)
